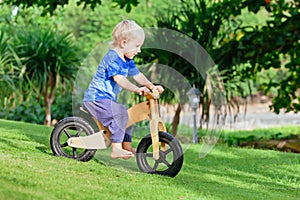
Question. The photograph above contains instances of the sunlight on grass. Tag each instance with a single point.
(30, 171)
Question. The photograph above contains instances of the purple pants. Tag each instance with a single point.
(112, 115)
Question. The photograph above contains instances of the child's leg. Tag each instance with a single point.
(127, 145)
(114, 116)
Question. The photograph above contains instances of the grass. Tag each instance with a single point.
(236, 137)
(266, 133)
(30, 171)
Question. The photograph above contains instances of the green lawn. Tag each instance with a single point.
(30, 171)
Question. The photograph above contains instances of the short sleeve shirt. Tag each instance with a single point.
(103, 85)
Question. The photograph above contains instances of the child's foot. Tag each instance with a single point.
(121, 153)
(133, 151)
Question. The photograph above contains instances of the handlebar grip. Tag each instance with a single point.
(155, 94)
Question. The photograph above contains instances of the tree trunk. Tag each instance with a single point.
(205, 103)
(176, 120)
(48, 112)
(48, 98)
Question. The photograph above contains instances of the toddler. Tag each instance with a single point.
(100, 98)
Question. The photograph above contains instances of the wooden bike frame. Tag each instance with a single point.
(139, 112)
(148, 110)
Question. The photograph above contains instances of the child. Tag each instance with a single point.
(101, 95)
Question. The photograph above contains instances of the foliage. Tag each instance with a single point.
(48, 58)
(10, 75)
(273, 46)
(240, 51)
(88, 27)
(21, 99)
(6, 82)
(26, 111)
(126, 4)
(33, 111)
(93, 27)
(237, 173)
(62, 107)
(203, 21)
(50, 6)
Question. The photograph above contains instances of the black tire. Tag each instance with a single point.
(66, 128)
(170, 161)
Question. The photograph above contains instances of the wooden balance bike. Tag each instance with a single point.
(159, 152)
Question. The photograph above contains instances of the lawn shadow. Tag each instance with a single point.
(37, 133)
(102, 156)
(233, 173)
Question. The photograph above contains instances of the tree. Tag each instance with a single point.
(6, 71)
(203, 21)
(240, 52)
(93, 26)
(274, 46)
(10, 75)
(49, 6)
(48, 58)
(88, 26)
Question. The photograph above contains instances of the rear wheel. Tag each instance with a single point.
(65, 129)
(170, 156)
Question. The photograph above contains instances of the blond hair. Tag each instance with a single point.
(125, 30)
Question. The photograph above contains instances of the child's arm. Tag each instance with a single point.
(127, 85)
(141, 79)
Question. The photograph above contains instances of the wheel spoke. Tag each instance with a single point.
(167, 151)
(67, 133)
(162, 157)
(74, 153)
(64, 145)
(163, 160)
(155, 165)
(79, 132)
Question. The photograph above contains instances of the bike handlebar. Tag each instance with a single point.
(153, 95)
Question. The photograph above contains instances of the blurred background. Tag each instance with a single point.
(254, 44)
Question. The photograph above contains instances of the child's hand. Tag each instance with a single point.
(143, 91)
(158, 88)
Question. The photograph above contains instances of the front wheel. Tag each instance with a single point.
(170, 155)
(65, 129)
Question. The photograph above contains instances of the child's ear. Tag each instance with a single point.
(123, 43)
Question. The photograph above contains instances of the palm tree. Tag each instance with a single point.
(49, 58)
(7, 72)
(203, 21)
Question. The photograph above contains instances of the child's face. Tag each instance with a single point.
(133, 46)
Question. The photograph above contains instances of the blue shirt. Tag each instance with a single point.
(103, 85)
